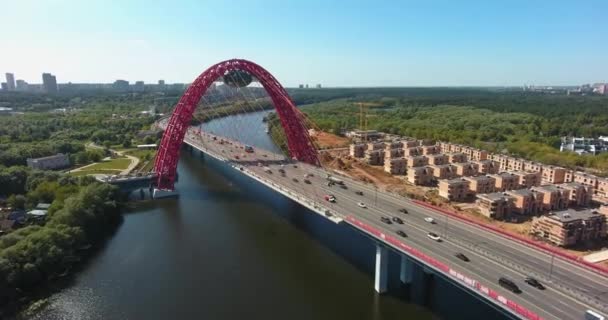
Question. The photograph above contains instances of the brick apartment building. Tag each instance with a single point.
(505, 181)
(427, 150)
(553, 174)
(454, 157)
(438, 159)
(374, 157)
(481, 184)
(393, 145)
(494, 205)
(454, 189)
(474, 154)
(420, 176)
(414, 151)
(417, 161)
(357, 150)
(395, 166)
(569, 227)
(527, 179)
(579, 194)
(466, 169)
(486, 166)
(443, 171)
(412, 143)
(526, 202)
(393, 153)
(553, 197)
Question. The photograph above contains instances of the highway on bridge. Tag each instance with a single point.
(570, 289)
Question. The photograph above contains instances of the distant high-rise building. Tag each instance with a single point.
(10, 81)
(4, 86)
(301, 86)
(318, 86)
(49, 83)
(138, 86)
(21, 85)
(306, 86)
(161, 82)
(121, 85)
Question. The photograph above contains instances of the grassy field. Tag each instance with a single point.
(98, 171)
(113, 164)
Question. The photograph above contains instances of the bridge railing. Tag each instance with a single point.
(510, 305)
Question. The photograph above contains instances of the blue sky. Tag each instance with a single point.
(336, 43)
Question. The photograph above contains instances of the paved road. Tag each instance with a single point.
(571, 289)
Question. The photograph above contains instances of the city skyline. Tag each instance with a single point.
(387, 44)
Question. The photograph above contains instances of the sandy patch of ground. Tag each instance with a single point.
(327, 140)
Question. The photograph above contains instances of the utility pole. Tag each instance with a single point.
(551, 270)
(375, 195)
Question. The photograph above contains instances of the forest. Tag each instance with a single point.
(524, 124)
(82, 213)
(41, 131)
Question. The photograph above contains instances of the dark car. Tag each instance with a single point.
(509, 285)
(294, 180)
(403, 210)
(343, 186)
(281, 171)
(535, 283)
(359, 193)
(295, 166)
(398, 220)
(306, 181)
(462, 257)
(386, 220)
(401, 233)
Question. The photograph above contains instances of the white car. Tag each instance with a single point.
(362, 205)
(429, 220)
(434, 236)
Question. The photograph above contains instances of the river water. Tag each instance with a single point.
(229, 248)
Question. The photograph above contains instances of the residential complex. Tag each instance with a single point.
(569, 227)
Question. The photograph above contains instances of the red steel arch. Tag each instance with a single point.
(299, 144)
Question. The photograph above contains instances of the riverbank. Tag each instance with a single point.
(34, 258)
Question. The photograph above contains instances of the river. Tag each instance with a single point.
(229, 248)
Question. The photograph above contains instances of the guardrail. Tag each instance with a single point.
(536, 244)
(512, 306)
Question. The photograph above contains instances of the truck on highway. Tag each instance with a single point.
(592, 315)
(249, 149)
(335, 180)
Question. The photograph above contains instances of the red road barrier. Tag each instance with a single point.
(536, 244)
(472, 283)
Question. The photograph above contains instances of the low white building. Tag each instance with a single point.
(58, 161)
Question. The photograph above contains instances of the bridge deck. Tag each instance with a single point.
(571, 289)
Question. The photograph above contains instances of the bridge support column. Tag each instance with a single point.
(381, 276)
(407, 270)
(427, 286)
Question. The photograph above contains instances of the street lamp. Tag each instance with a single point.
(445, 226)
(375, 195)
(551, 269)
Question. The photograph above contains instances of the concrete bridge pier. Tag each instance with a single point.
(406, 273)
(427, 286)
(381, 274)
